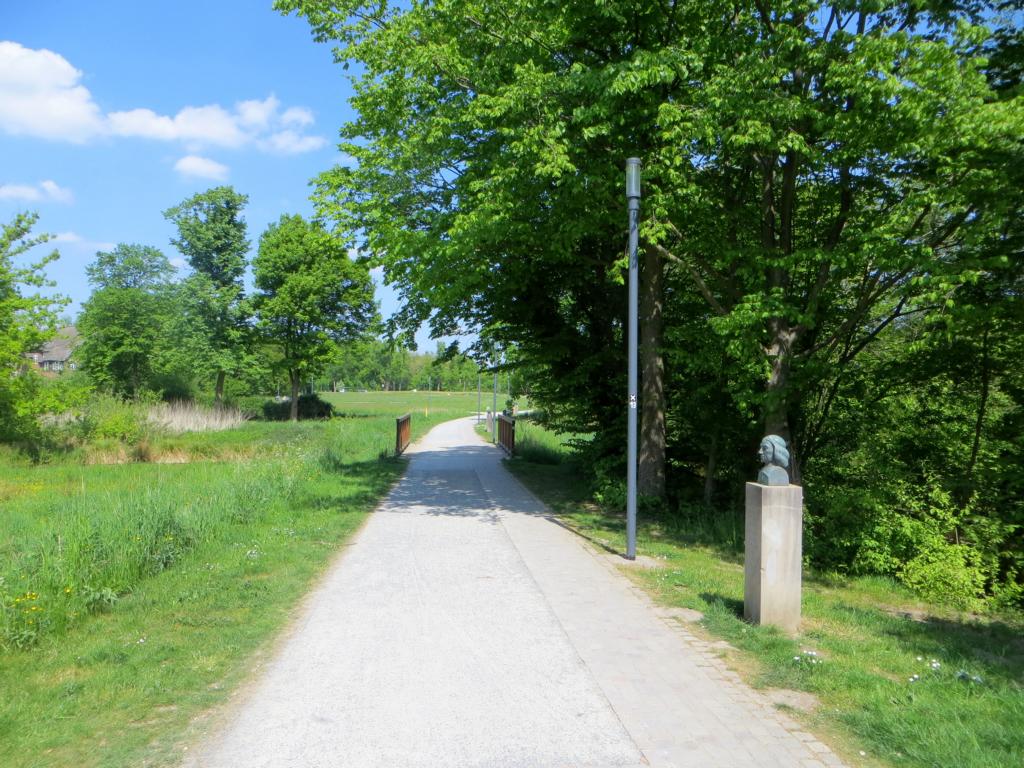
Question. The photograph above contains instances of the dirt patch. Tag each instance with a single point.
(914, 614)
(687, 615)
(643, 562)
(800, 700)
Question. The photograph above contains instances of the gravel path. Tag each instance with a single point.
(464, 628)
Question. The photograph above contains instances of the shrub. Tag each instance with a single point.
(250, 405)
(946, 573)
(310, 407)
(107, 417)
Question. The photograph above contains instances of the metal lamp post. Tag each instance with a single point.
(633, 200)
(494, 410)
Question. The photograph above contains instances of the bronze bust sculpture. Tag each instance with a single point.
(774, 454)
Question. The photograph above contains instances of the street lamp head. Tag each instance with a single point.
(633, 177)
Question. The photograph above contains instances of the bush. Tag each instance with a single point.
(310, 407)
(111, 418)
(251, 405)
(946, 573)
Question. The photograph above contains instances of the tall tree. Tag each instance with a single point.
(124, 320)
(468, 199)
(212, 236)
(310, 296)
(27, 319)
(810, 170)
(819, 182)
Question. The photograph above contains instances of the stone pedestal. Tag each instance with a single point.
(773, 556)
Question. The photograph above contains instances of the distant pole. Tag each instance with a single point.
(426, 411)
(633, 200)
(479, 395)
(494, 410)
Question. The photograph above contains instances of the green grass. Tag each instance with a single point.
(870, 635)
(134, 596)
(537, 445)
(450, 404)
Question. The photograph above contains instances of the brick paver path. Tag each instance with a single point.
(464, 628)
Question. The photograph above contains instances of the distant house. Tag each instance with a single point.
(55, 355)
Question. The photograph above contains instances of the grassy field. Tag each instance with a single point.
(449, 404)
(896, 681)
(133, 597)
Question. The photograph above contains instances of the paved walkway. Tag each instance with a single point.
(463, 628)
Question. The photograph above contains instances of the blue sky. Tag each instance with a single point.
(112, 111)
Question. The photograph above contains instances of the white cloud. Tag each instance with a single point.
(200, 126)
(256, 123)
(197, 167)
(20, 192)
(41, 95)
(142, 122)
(56, 192)
(77, 242)
(291, 143)
(297, 116)
(44, 191)
(210, 125)
(258, 114)
(179, 263)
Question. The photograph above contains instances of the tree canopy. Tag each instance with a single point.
(310, 296)
(124, 319)
(212, 237)
(27, 319)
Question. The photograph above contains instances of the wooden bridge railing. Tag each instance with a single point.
(403, 433)
(507, 433)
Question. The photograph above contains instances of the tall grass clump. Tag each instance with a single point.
(182, 416)
(99, 546)
(538, 445)
(108, 418)
(78, 539)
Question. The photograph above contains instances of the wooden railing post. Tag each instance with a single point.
(403, 433)
(507, 433)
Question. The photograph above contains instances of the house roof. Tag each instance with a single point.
(60, 347)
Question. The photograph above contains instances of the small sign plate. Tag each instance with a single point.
(632, 401)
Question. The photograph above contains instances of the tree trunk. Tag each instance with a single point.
(979, 421)
(293, 377)
(651, 459)
(709, 470)
(218, 390)
(776, 410)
